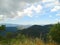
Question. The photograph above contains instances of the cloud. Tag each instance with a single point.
(56, 8)
(1, 17)
(32, 8)
(58, 14)
(9, 8)
(28, 11)
(19, 13)
(54, 5)
(38, 8)
(44, 1)
(49, 1)
(20, 8)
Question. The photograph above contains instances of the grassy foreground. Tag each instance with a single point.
(34, 42)
(26, 41)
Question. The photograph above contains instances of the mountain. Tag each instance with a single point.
(28, 30)
(21, 27)
(13, 28)
(37, 31)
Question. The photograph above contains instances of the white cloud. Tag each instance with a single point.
(57, 20)
(9, 8)
(38, 8)
(19, 13)
(56, 8)
(19, 8)
(54, 5)
(57, 14)
(47, 1)
(57, 2)
(1, 17)
(28, 11)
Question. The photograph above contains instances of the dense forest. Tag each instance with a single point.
(46, 34)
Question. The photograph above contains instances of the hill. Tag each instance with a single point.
(37, 31)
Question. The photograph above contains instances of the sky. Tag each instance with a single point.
(29, 12)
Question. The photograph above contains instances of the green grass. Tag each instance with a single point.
(22, 40)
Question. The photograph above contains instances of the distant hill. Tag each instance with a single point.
(13, 28)
(28, 30)
(37, 31)
(19, 27)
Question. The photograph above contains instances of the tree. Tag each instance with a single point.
(55, 33)
(2, 27)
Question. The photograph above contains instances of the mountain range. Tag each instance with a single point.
(28, 30)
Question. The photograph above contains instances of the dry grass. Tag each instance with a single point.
(29, 42)
(33, 42)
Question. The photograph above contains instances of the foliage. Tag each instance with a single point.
(19, 38)
(25, 41)
(2, 27)
(55, 33)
